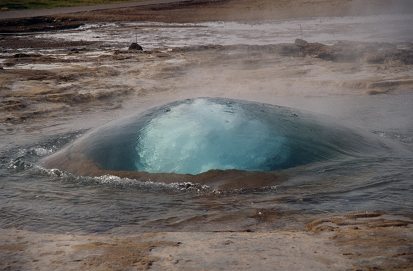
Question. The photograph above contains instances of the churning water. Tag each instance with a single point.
(326, 167)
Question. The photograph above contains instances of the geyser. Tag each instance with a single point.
(198, 135)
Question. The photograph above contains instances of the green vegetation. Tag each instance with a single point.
(30, 4)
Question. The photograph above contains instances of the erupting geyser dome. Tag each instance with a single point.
(198, 135)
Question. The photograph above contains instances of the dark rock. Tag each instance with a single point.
(135, 47)
(404, 56)
(21, 55)
(301, 43)
(77, 50)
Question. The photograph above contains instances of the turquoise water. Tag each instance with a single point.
(197, 135)
(358, 178)
(201, 135)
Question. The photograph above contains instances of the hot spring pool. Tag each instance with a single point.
(210, 164)
(198, 135)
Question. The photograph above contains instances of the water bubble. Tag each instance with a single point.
(216, 137)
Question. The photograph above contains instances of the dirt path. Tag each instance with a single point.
(17, 14)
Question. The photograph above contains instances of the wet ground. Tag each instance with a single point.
(55, 86)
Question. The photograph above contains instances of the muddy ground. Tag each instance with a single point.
(46, 83)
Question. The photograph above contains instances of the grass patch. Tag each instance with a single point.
(32, 4)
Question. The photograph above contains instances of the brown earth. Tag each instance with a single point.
(242, 10)
(374, 241)
(356, 241)
(206, 10)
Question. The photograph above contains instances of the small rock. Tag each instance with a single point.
(136, 47)
(21, 55)
(228, 242)
(301, 43)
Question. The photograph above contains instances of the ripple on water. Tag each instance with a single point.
(199, 135)
(375, 177)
